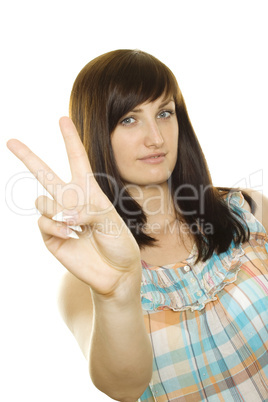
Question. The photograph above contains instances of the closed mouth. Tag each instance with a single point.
(153, 156)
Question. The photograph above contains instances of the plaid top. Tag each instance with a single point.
(208, 322)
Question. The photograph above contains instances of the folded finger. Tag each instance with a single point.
(50, 208)
(46, 206)
(50, 228)
(108, 222)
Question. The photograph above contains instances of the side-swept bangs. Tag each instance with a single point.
(134, 78)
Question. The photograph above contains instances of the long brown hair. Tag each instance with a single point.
(106, 89)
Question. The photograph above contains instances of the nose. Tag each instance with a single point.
(153, 137)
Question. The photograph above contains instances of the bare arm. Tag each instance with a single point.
(261, 201)
(76, 308)
(120, 360)
(103, 256)
(112, 336)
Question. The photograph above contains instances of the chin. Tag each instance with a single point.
(148, 178)
(151, 182)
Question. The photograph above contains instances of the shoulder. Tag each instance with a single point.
(76, 308)
(261, 201)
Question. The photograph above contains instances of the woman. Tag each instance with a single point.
(152, 248)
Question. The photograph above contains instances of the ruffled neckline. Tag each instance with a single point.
(188, 286)
(189, 259)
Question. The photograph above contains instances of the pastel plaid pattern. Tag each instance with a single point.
(208, 323)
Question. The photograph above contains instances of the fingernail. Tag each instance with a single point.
(72, 234)
(77, 228)
(61, 218)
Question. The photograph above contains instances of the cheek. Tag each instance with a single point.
(173, 139)
(176, 139)
(124, 148)
(121, 160)
(115, 147)
(121, 154)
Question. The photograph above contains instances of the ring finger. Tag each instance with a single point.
(49, 208)
(50, 228)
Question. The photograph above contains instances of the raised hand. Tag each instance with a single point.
(104, 253)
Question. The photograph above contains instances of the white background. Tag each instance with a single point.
(218, 52)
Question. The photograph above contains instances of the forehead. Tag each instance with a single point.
(159, 102)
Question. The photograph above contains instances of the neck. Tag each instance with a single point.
(157, 203)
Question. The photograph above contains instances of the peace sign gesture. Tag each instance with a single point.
(102, 252)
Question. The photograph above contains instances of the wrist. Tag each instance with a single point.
(118, 303)
(126, 293)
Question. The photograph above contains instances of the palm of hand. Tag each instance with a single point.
(102, 258)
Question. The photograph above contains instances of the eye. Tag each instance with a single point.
(165, 114)
(127, 121)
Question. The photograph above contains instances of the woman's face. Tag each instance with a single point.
(145, 143)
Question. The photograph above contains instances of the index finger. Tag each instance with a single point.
(49, 180)
(78, 159)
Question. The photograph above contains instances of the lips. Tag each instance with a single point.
(153, 159)
(153, 156)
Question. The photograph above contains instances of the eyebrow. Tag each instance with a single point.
(166, 102)
(160, 106)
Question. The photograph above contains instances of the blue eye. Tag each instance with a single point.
(165, 114)
(127, 121)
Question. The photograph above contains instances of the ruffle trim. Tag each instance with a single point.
(190, 286)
